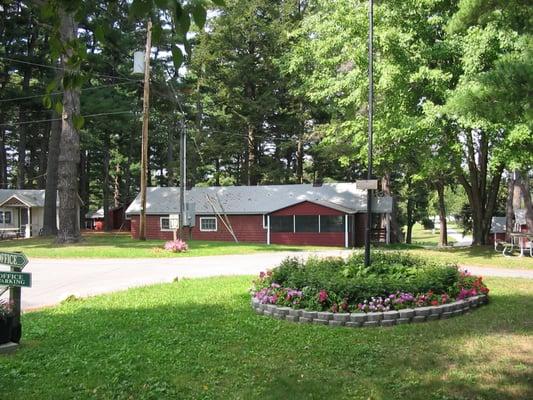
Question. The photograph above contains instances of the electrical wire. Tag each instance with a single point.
(61, 92)
(61, 69)
(59, 119)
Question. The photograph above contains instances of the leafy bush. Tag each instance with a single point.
(428, 223)
(342, 285)
(176, 246)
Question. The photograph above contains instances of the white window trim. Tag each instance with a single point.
(209, 230)
(265, 224)
(161, 224)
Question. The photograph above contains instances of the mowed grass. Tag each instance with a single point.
(478, 256)
(121, 245)
(198, 339)
(113, 245)
(426, 237)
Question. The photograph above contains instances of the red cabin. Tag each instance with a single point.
(332, 214)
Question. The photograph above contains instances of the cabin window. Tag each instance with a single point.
(165, 223)
(208, 224)
(282, 223)
(170, 223)
(331, 223)
(5, 217)
(306, 223)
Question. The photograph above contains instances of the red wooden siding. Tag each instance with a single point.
(308, 238)
(307, 208)
(247, 228)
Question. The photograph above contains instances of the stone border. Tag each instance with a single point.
(387, 318)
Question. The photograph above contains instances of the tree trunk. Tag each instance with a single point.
(217, 171)
(443, 238)
(300, 162)
(127, 172)
(105, 189)
(394, 226)
(410, 223)
(481, 194)
(250, 153)
(509, 210)
(21, 144)
(23, 109)
(523, 185)
(3, 155)
(117, 200)
(69, 144)
(50, 192)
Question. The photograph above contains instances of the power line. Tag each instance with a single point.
(61, 92)
(61, 69)
(59, 119)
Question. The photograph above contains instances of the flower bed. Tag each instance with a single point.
(397, 288)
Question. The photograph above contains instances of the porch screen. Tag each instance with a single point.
(331, 223)
(281, 223)
(307, 223)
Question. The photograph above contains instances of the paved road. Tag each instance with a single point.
(54, 280)
(460, 240)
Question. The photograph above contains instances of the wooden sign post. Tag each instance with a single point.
(14, 280)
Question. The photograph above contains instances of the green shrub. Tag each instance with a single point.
(349, 281)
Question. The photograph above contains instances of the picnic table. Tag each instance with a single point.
(521, 240)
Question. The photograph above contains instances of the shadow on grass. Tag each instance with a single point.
(184, 349)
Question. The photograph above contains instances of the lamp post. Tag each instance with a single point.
(370, 127)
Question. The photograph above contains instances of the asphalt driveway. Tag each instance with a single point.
(54, 280)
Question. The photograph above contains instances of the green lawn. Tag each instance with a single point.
(198, 339)
(483, 256)
(425, 237)
(123, 246)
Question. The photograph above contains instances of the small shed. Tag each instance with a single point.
(498, 228)
(96, 221)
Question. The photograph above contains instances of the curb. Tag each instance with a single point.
(387, 318)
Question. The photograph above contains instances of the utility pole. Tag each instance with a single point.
(370, 127)
(183, 177)
(144, 140)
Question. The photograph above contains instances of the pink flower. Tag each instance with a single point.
(176, 246)
(322, 296)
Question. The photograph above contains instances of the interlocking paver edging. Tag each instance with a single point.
(387, 318)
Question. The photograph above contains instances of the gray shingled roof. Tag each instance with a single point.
(32, 197)
(258, 199)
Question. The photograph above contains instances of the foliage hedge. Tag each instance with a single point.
(388, 273)
(337, 283)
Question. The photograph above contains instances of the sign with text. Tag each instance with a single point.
(18, 260)
(369, 184)
(18, 279)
